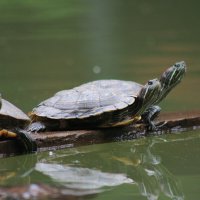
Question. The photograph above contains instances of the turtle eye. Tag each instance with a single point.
(150, 82)
(177, 65)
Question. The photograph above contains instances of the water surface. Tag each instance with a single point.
(164, 167)
(48, 46)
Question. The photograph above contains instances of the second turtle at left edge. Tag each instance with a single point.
(12, 125)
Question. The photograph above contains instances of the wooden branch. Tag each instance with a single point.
(172, 122)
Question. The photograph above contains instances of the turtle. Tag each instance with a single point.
(12, 125)
(105, 103)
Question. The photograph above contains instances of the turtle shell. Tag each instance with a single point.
(11, 116)
(89, 100)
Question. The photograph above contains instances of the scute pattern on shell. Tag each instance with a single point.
(90, 99)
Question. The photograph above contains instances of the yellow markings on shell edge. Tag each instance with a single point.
(127, 122)
(7, 134)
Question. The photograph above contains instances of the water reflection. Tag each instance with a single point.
(15, 170)
(99, 169)
(152, 178)
(115, 164)
(84, 180)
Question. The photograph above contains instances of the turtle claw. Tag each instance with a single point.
(161, 125)
(152, 127)
(156, 127)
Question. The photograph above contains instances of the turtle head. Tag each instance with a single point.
(149, 93)
(171, 77)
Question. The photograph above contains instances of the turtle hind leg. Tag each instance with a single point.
(36, 127)
(149, 115)
(28, 143)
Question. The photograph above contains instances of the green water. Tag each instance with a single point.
(164, 167)
(47, 46)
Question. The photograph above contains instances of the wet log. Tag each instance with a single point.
(169, 123)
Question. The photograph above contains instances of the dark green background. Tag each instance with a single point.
(46, 46)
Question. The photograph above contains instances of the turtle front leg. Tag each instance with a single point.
(149, 115)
